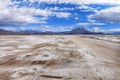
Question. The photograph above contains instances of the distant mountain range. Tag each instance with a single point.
(116, 33)
(78, 31)
(2, 31)
(73, 32)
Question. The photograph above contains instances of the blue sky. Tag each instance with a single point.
(60, 15)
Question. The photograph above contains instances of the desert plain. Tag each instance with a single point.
(59, 57)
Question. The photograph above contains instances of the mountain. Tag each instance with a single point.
(116, 32)
(49, 32)
(3, 31)
(78, 31)
(29, 32)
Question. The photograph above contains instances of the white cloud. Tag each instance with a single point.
(109, 14)
(55, 28)
(19, 16)
(60, 9)
(90, 24)
(114, 30)
(25, 15)
(76, 18)
(85, 8)
(41, 28)
(98, 29)
(79, 1)
(62, 14)
(13, 16)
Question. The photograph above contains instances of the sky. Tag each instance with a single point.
(60, 15)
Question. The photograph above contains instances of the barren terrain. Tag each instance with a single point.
(59, 57)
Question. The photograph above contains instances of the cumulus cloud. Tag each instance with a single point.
(14, 16)
(19, 16)
(109, 14)
(12, 13)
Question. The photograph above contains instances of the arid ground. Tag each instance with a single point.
(59, 57)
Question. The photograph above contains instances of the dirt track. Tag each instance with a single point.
(60, 57)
